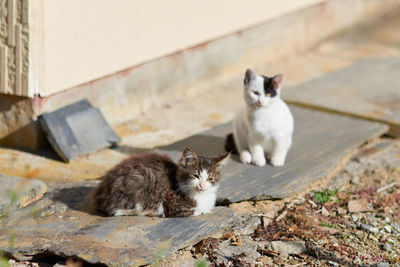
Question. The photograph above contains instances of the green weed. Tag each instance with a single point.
(329, 225)
(3, 260)
(201, 263)
(325, 195)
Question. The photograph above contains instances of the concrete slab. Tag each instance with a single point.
(368, 89)
(62, 224)
(321, 142)
(18, 192)
(77, 129)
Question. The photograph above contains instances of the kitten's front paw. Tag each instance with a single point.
(259, 161)
(278, 161)
(196, 213)
(245, 157)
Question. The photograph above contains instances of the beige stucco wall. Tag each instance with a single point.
(83, 40)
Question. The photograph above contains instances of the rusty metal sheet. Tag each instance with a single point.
(62, 224)
(320, 142)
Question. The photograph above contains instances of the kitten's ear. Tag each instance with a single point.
(222, 160)
(250, 75)
(188, 158)
(277, 81)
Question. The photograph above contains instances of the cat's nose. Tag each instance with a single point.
(259, 102)
(202, 184)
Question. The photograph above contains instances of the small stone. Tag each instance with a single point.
(245, 224)
(387, 219)
(352, 225)
(268, 217)
(266, 260)
(354, 218)
(312, 203)
(387, 228)
(374, 223)
(341, 211)
(372, 237)
(355, 180)
(369, 228)
(324, 211)
(357, 261)
(396, 227)
(386, 247)
(332, 263)
(331, 231)
(358, 205)
(248, 246)
(264, 244)
(382, 264)
(289, 247)
(299, 200)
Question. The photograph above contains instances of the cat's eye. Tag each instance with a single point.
(210, 179)
(256, 93)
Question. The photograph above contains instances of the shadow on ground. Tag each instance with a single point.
(78, 197)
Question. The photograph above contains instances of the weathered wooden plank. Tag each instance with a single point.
(61, 225)
(320, 141)
(369, 89)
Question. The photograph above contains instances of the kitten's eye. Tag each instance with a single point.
(196, 176)
(210, 179)
(256, 93)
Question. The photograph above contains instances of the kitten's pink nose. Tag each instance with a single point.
(202, 184)
(259, 102)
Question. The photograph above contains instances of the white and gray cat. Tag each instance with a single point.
(265, 125)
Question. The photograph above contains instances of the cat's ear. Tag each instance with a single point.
(221, 160)
(250, 75)
(188, 158)
(277, 81)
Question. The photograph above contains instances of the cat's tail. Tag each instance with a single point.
(230, 144)
(90, 202)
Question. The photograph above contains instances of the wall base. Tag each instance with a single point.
(124, 95)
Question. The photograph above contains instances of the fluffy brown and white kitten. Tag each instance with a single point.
(152, 184)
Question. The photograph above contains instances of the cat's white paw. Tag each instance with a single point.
(278, 161)
(197, 213)
(259, 161)
(245, 157)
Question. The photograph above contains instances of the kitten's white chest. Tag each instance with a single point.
(205, 201)
(272, 120)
